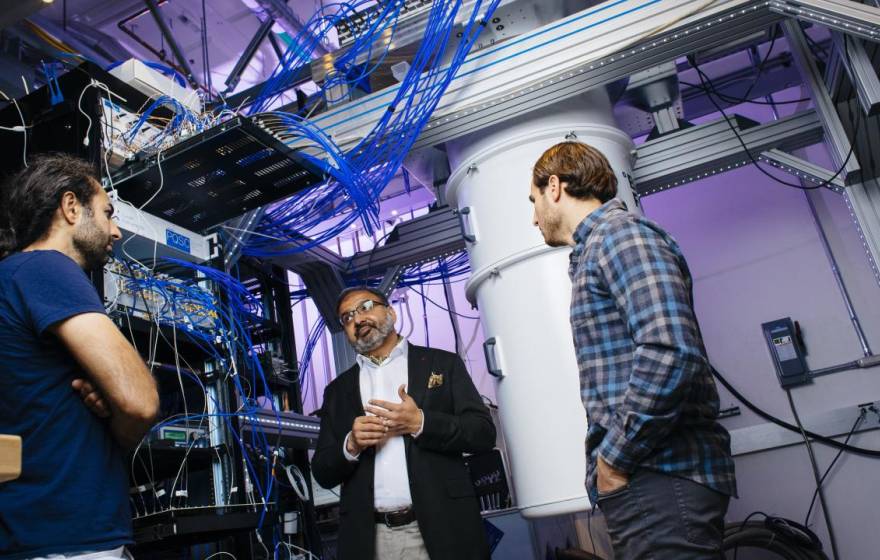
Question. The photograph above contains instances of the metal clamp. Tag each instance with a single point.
(464, 222)
(492, 365)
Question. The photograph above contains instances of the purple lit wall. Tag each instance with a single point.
(755, 254)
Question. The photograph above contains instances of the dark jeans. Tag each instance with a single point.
(662, 517)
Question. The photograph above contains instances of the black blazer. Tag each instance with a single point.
(456, 421)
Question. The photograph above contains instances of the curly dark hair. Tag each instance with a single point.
(29, 199)
(583, 168)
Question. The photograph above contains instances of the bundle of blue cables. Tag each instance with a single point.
(226, 339)
(356, 177)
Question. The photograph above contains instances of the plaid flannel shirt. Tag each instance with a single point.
(645, 378)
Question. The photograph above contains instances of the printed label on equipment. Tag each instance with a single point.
(177, 241)
(785, 348)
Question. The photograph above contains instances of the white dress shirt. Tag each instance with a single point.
(391, 478)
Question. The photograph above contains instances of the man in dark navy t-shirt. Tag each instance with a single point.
(71, 386)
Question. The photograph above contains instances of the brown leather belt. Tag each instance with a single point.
(396, 518)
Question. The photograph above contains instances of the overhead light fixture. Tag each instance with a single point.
(48, 1)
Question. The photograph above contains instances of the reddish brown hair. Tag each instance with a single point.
(583, 168)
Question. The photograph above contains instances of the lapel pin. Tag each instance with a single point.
(435, 380)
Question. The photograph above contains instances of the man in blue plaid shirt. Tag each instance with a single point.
(658, 462)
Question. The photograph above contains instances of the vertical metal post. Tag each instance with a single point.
(241, 233)
(835, 134)
(248, 53)
(829, 254)
(860, 69)
(459, 341)
(344, 355)
(862, 196)
(838, 278)
(206, 59)
(175, 48)
(217, 438)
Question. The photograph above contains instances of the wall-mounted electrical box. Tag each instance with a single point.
(787, 351)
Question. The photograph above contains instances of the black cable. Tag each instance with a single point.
(814, 46)
(440, 306)
(425, 318)
(707, 83)
(855, 426)
(769, 417)
(590, 528)
(783, 537)
(827, 511)
(743, 526)
(759, 71)
(734, 99)
(455, 332)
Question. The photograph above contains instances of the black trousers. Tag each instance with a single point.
(662, 517)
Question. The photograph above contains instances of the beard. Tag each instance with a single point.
(552, 231)
(368, 335)
(91, 242)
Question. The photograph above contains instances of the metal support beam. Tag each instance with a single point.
(595, 47)
(854, 58)
(778, 73)
(655, 88)
(665, 120)
(344, 355)
(279, 52)
(453, 317)
(285, 16)
(802, 169)
(694, 153)
(845, 16)
(324, 284)
(389, 281)
(421, 239)
(175, 48)
(248, 53)
(521, 94)
(863, 200)
(241, 232)
(298, 259)
(440, 174)
(835, 135)
(252, 92)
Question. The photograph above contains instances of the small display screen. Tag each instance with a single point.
(175, 435)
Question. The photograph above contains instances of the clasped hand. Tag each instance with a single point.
(388, 420)
(91, 397)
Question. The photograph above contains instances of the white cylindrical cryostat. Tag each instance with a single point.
(523, 292)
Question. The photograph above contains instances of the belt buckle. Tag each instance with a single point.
(390, 517)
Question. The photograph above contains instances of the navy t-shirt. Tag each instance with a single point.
(72, 495)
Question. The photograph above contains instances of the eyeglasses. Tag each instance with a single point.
(364, 307)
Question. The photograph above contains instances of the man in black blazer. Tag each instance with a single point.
(393, 430)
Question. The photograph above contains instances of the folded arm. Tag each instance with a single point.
(114, 366)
